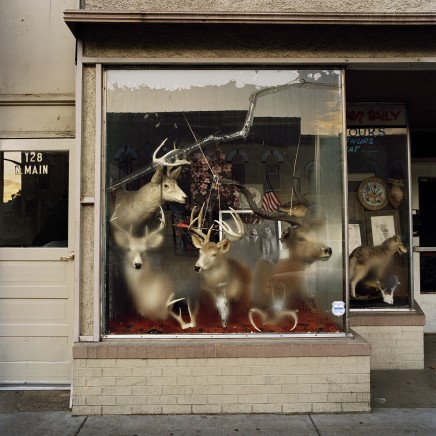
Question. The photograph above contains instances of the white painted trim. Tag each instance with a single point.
(78, 192)
(37, 100)
(20, 386)
(39, 253)
(86, 338)
(97, 201)
(409, 204)
(235, 336)
(88, 201)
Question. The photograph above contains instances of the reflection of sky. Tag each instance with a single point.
(317, 103)
(11, 181)
(178, 80)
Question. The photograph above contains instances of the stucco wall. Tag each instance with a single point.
(87, 215)
(361, 6)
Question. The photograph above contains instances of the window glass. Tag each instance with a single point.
(224, 202)
(379, 211)
(34, 207)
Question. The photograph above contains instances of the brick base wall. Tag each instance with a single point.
(323, 377)
(394, 347)
(396, 338)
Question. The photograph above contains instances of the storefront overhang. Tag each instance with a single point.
(77, 18)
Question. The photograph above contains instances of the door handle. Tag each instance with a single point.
(69, 257)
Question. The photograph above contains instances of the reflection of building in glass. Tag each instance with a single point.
(35, 196)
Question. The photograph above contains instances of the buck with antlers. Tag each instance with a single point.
(151, 290)
(225, 281)
(304, 247)
(136, 207)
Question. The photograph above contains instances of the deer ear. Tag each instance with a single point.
(196, 241)
(121, 239)
(157, 176)
(224, 245)
(175, 173)
(154, 241)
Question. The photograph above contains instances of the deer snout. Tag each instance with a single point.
(137, 265)
(328, 251)
(197, 268)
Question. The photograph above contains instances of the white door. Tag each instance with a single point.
(36, 260)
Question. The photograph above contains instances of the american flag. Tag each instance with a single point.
(270, 201)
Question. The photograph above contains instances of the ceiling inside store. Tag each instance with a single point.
(417, 89)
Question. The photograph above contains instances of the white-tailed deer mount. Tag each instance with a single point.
(366, 259)
(225, 281)
(275, 313)
(304, 246)
(151, 290)
(135, 208)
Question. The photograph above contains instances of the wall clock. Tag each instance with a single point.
(257, 197)
(372, 193)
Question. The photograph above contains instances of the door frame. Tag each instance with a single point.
(52, 254)
(52, 144)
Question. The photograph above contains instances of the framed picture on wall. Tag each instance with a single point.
(355, 235)
(381, 225)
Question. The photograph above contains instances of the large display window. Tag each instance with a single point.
(379, 207)
(224, 202)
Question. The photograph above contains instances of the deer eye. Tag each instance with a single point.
(166, 185)
(301, 239)
(213, 254)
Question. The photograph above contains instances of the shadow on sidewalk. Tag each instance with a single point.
(407, 388)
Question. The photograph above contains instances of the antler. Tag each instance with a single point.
(114, 217)
(192, 315)
(274, 216)
(170, 159)
(197, 230)
(228, 231)
(311, 216)
(159, 228)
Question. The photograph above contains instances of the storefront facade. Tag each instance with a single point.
(294, 131)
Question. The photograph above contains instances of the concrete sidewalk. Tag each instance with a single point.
(379, 422)
(403, 403)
